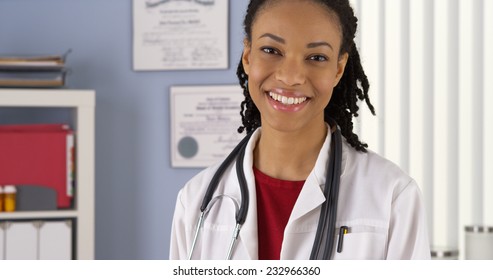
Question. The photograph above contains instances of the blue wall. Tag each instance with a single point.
(135, 184)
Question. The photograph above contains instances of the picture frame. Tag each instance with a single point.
(180, 35)
(204, 123)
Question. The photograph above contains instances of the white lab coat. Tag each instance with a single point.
(381, 205)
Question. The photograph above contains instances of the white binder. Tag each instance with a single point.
(2, 241)
(21, 241)
(55, 240)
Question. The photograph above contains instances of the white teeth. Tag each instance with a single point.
(287, 100)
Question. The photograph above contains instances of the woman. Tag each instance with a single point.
(300, 70)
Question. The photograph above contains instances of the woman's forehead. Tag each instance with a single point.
(306, 17)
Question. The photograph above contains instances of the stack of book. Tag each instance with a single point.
(33, 71)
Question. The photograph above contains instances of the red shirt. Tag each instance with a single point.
(275, 201)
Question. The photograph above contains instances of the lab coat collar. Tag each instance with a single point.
(311, 195)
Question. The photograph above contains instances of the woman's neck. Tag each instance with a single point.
(289, 155)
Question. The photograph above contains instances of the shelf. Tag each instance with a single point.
(82, 105)
(46, 98)
(38, 215)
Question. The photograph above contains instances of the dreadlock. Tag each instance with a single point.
(352, 87)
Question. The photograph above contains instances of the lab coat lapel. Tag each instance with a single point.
(299, 233)
(312, 196)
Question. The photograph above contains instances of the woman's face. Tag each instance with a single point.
(293, 63)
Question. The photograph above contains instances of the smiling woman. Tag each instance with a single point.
(354, 84)
(302, 78)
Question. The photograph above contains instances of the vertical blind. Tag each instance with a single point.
(430, 66)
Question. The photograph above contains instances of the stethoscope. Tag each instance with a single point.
(323, 244)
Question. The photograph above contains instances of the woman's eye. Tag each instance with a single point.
(319, 58)
(269, 50)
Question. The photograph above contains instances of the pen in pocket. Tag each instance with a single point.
(342, 231)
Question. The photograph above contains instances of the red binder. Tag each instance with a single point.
(38, 155)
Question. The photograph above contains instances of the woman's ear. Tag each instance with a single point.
(245, 57)
(341, 65)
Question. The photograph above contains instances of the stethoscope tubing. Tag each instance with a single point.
(332, 195)
(328, 213)
(214, 183)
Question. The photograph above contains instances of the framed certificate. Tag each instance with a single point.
(204, 124)
(180, 34)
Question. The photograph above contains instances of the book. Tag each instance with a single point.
(9, 62)
(31, 60)
(32, 79)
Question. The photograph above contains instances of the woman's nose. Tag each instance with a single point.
(291, 72)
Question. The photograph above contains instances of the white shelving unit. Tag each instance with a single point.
(83, 104)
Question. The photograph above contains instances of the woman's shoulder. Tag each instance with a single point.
(377, 181)
(201, 179)
(198, 184)
(374, 168)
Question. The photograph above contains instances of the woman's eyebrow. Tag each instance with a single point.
(282, 41)
(318, 44)
(273, 37)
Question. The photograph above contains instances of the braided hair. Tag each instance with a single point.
(352, 87)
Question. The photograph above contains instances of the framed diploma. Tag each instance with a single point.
(180, 34)
(204, 124)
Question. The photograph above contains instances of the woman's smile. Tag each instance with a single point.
(286, 101)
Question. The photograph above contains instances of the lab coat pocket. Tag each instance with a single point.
(360, 242)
